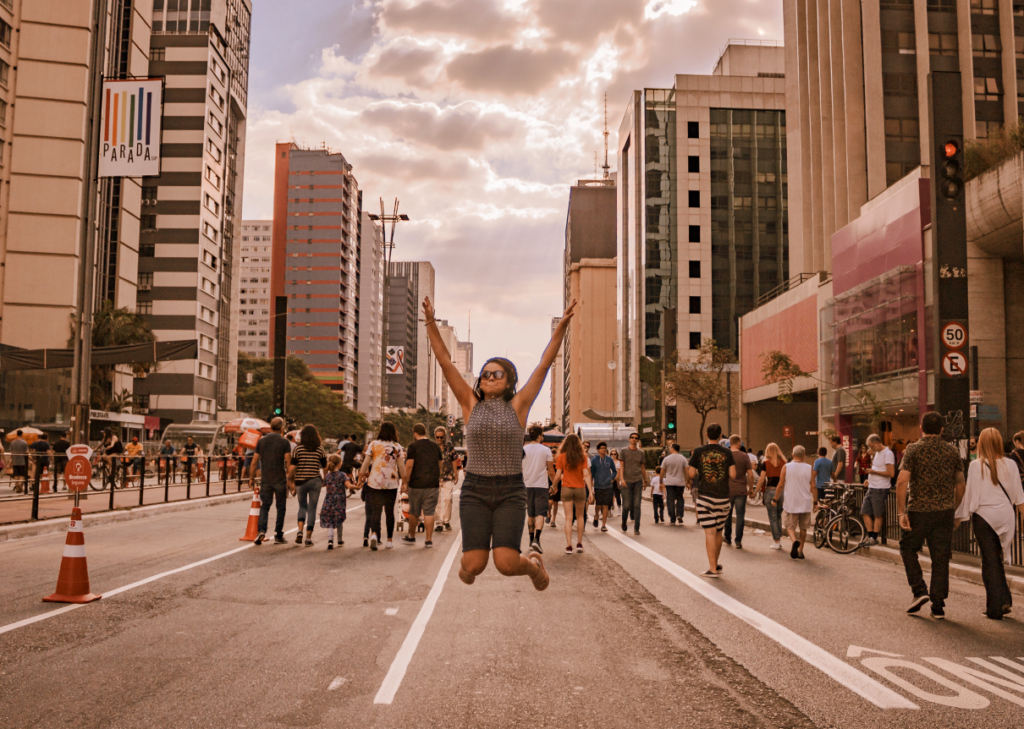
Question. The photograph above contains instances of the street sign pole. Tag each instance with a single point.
(949, 252)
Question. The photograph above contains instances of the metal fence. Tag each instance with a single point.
(963, 536)
(201, 476)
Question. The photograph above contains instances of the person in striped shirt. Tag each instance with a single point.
(305, 474)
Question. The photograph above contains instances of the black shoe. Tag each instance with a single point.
(373, 543)
(439, 528)
(366, 542)
(799, 555)
(308, 543)
(794, 550)
(595, 523)
(279, 539)
(739, 546)
(259, 539)
(623, 527)
(330, 545)
(447, 527)
(428, 544)
(409, 539)
(917, 604)
(298, 537)
(727, 543)
(636, 532)
(938, 612)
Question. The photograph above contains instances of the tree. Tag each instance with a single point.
(112, 327)
(404, 421)
(308, 402)
(779, 367)
(700, 382)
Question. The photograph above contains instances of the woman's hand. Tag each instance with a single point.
(567, 314)
(428, 310)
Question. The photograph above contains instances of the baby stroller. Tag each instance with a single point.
(403, 513)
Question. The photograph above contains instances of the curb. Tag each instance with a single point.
(960, 571)
(60, 525)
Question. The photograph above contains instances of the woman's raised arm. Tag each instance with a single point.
(523, 400)
(460, 388)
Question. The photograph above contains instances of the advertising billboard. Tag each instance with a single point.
(130, 128)
(396, 361)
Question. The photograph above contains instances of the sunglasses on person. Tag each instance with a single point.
(633, 437)
(438, 437)
(498, 375)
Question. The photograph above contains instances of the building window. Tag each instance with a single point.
(206, 315)
(209, 231)
(987, 129)
(149, 193)
(984, 7)
(693, 130)
(987, 88)
(147, 222)
(902, 130)
(900, 84)
(212, 205)
(145, 281)
(695, 234)
(212, 177)
(216, 124)
(694, 340)
(215, 152)
(5, 72)
(694, 269)
(694, 196)
(147, 250)
(209, 287)
(902, 43)
(157, 54)
(986, 46)
(218, 97)
(5, 34)
(145, 308)
(206, 342)
(210, 260)
(694, 305)
(693, 163)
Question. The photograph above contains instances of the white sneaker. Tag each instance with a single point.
(389, 545)
(775, 545)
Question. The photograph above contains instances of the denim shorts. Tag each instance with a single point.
(536, 502)
(492, 510)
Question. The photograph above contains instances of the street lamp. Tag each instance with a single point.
(389, 247)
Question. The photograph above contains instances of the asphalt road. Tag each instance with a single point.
(627, 635)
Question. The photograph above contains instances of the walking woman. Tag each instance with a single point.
(992, 499)
(572, 469)
(864, 460)
(768, 482)
(308, 459)
(492, 505)
(382, 471)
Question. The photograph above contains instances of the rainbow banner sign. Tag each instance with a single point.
(130, 128)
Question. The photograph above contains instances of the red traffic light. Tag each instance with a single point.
(951, 149)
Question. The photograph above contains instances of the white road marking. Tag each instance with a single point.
(963, 698)
(337, 683)
(857, 681)
(396, 673)
(856, 651)
(391, 611)
(117, 590)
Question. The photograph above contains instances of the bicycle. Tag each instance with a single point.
(837, 524)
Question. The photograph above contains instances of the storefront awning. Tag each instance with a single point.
(12, 358)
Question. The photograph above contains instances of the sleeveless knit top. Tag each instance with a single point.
(494, 439)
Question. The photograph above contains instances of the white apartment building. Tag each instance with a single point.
(254, 305)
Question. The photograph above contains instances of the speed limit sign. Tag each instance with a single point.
(954, 336)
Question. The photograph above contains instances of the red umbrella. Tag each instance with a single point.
(241, 424)
(294, 436)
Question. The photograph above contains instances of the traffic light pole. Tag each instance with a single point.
(949, 253)
(280, 356)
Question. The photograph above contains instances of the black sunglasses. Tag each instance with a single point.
(492, 374)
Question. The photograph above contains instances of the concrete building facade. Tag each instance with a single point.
(589, 279)
(189, 240)
(702, 229)
(408, 283)
(315, 262)
(254, 304)
(370, 324)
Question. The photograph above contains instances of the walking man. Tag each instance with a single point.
(538, 472)
(838, 460)
(422, 481)
(449, 475)
(711, 467)
(604, 473)
(41, 458)
(880, 475)
(633, 481)
(739, 487)
(928, 492)
(273, 455)
(799, 500)
(19, 462)
(673, 475)
(60, 458)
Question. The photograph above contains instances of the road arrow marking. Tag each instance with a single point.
(856, 651)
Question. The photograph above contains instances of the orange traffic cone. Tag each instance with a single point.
(254, 519)
(73, 580)
(44, 481)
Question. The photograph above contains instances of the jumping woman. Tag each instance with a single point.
(492, 506)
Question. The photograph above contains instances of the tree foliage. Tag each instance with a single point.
(112, 327)
(404, 420)
(308, 401)
(700, 381)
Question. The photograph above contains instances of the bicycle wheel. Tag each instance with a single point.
(98, 482)
(845, 533)
(820, 523)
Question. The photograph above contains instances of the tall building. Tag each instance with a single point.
(408, 283)
(371, 317)
(188, 249)
(589, 278)
(254, 305)
(557, 379)
(702, 200)
(45, 68)
(315, 262)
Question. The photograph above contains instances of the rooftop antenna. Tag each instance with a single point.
(595, 165)
(605, 167)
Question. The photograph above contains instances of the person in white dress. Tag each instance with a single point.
(992, 500)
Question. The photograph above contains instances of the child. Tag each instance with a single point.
(658, 496)
(332, 513)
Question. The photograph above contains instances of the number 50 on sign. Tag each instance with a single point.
(954, 336)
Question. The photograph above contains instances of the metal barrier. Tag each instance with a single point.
(121, 474)
(963, 535)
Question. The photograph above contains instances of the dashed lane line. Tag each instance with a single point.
(132, 586)
(396, 673)
(857, 681)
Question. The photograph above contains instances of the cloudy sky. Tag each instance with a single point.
(478, 115)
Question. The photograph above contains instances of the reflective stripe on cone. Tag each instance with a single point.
(73, 579)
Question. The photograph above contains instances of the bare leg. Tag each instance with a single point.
(580, 525)
(713, 545)
(473, 563)
(428, 522)
(803, 540)
(568, 522)
(414, 520)
(511, 563)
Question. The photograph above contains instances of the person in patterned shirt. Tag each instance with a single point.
(449, 475)
(929, 489)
